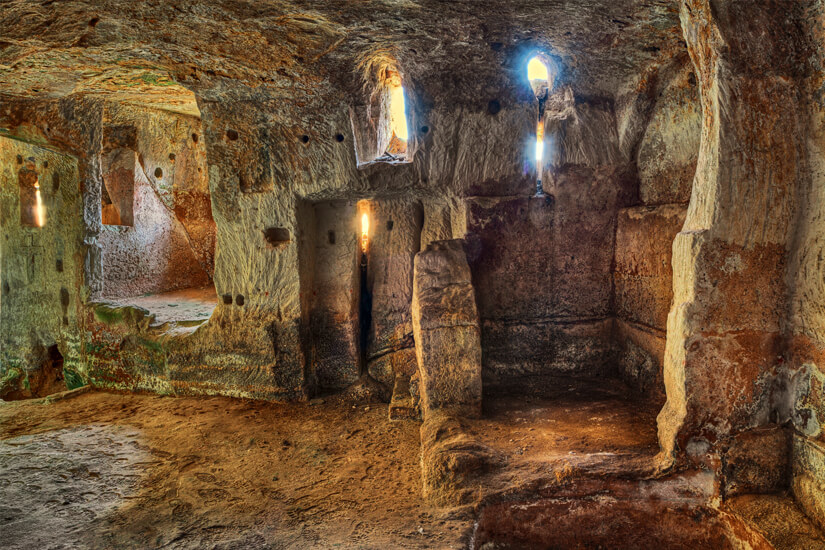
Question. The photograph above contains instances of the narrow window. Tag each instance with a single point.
(118, 193)
(397, 116)
(380, 125)
(32, 210)
(539, 78)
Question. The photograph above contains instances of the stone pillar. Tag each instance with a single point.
(446, 330)
(723, 330)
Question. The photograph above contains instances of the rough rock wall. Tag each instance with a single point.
(447, 333)
(170, 242)
(729, 260)
(334, 316)
(543, 273)
(394, 242)
(660, 127)
(667, 153)
(643, 279)
(799, 396)
(40, 267)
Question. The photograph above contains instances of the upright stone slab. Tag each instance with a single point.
(446, 330)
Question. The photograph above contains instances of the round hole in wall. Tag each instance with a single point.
(195, 138)
(227, 299)
(304, 138)
(232, 135)
(389, 225)
(493, 107)
(94, 21)
(19, 159)
(158, 172)
(45, 164)
(171, 156)
(425, 129)
(239, 300)
(339, 137)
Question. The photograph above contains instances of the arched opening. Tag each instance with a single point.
(380, 123)
(158, 235)
(397, 116)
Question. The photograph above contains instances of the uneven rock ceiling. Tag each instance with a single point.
(465, 51)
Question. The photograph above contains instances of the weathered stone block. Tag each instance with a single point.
(640, 355)
(643, 275)
(446, 329)
(757, 461)
(808, 477)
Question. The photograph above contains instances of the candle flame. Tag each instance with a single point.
(40, 210)
(365, 229)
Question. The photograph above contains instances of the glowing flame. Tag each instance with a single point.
(365, 230)
(536, 70)
(40, 210)
(398, 112)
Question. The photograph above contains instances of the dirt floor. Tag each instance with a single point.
(576, 422)
(108, 470)
(104, 470)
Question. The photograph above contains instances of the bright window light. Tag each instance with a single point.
(398, 113)
(536, 70)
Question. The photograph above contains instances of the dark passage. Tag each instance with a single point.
(364, 314)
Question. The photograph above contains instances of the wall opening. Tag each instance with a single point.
(381, 124)
(158, 235)
(539, 77)
(32, 209)
(358, 266)
(332, 236)
(398, 116)
(118, 192)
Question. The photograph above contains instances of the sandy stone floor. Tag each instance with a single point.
(576, 421)
(104, 470)
(188, 304)
(107, 470)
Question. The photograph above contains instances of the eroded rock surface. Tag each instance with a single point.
(446, 328)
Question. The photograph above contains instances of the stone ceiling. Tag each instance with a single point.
(154, 52)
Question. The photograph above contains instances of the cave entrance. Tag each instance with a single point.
(158, 235)
(51, 378)
(45, 380)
